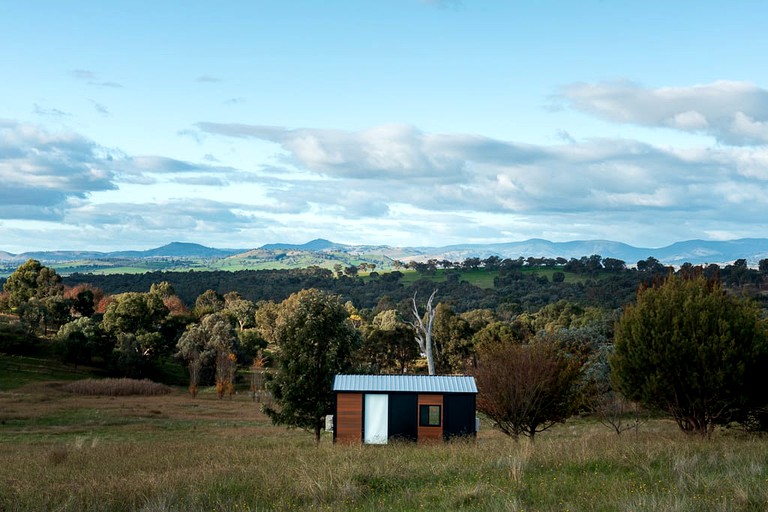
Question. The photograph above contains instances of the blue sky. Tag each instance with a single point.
(400, 122)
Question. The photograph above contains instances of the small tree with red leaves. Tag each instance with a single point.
(526, 388)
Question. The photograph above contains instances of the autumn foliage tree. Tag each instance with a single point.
(526, 388)
(691, 350)
(226, 371)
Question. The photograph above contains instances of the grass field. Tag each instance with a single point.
(60, 451)
(484, 279)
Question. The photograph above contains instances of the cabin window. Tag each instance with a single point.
(429, 415)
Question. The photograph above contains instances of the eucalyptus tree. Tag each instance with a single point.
(315, 340)
(31, 280)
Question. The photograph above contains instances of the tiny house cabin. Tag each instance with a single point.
(373, 409)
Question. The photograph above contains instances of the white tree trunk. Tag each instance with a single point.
(423, 328)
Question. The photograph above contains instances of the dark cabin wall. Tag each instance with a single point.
(403, 416)
(459, 415)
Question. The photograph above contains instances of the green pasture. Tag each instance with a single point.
(17, 371)
(484, 278)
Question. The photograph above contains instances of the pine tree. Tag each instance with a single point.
(689, 349)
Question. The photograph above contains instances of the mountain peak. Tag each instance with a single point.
(318, 244)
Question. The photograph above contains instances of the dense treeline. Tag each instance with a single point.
(518, 285)
(498, 319)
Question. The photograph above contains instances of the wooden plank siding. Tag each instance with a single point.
(431, 434)
(349, 417)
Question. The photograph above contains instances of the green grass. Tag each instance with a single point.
(484, 279)
(66, 452)
(477, 277)
(17, 371)
(265, 261)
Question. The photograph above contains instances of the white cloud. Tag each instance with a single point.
(39, 169)
(393, 181)
(689, 121)
(734, 113)
(607, 184)
(395, 151)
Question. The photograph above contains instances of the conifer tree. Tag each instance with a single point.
(689, 349)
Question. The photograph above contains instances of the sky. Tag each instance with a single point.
(233, 124)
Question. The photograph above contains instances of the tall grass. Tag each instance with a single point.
(227, 457)
(117, 387)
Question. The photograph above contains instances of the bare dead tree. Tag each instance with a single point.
(423, 329)
(195, 365)
(257, 376)
(616, 412)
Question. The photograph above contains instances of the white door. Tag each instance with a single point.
(375, 427)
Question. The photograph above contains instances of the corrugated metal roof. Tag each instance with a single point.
(406, 383)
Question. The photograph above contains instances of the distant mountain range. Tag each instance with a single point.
(692, 251)
(172, 250)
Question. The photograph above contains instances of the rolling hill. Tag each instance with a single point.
(327, 254)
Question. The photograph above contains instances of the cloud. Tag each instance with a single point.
(101, 109)
(386, 184)
(159, 164)
(193, 134)
(565, 137)
(50, 112)
(208, 181)
(388, 150)
(148, 169)
(90, 78)
(374, 173)
(172, 215)
(42, 170)
(734, 113)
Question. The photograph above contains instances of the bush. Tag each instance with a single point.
(526, 388)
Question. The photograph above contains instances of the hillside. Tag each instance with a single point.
(180, 256)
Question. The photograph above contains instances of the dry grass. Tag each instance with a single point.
(117, 387)
(162, 453)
